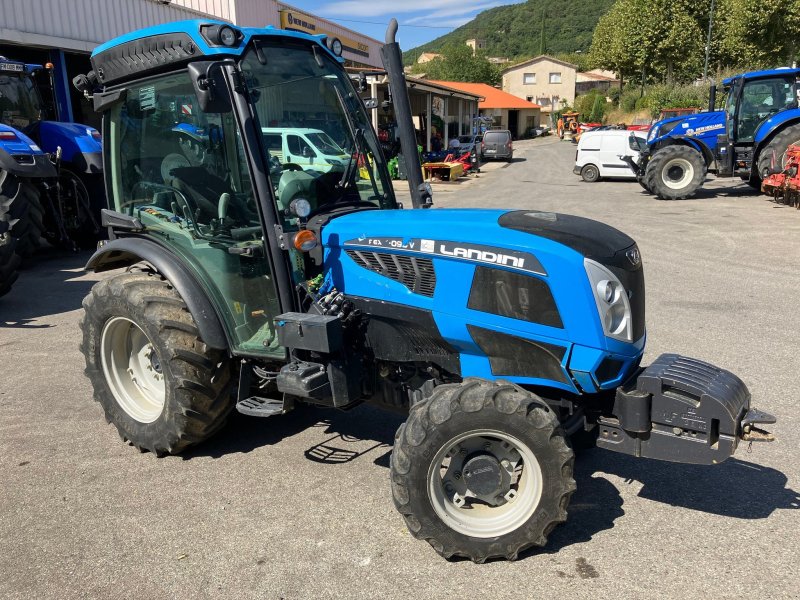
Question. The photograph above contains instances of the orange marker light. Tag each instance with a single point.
(305, 240)
(49, 66)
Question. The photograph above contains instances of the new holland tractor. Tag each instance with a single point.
(748, 138)
(51, 182)
(243, 280)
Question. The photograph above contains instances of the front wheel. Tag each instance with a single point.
(675, 172)
(157, 381)
(590, 173)
(482, 470)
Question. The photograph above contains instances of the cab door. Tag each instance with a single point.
(183, 173)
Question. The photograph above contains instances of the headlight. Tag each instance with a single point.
(612, 301)
(653, 134)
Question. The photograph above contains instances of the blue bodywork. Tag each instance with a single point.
(192, 29)
(80, 144)
(582, 333)
(701, 130)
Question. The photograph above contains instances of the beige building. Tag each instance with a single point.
(427, 57)
(543, 80)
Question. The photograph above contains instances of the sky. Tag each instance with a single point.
(420, 20)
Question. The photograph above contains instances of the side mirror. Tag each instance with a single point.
(210, 87)
(362, 82)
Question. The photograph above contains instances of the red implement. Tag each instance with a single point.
(784, 187)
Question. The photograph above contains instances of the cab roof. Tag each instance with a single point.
(8, 65)
(153, 49)
(760, 74)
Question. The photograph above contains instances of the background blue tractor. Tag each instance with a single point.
(246, 280)
(748, 138)
(51, 181)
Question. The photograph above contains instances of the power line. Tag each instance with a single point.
(386, 23)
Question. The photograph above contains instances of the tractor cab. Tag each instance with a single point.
(20, 102)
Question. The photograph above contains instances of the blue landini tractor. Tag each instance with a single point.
(244, 280)
(748, 138)
(50, 174)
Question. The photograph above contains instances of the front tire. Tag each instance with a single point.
(157, 381)
(9, 263)
(590, 173)
(675, 172)
(482, 470)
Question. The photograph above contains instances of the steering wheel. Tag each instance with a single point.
(292, 167)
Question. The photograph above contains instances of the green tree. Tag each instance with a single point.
(457, 63)
(758, 33)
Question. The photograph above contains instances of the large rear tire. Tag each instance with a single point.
(9, 262)
(159, 384)
(774, 152)
(675, 172)
(19, 199)
(482, 469)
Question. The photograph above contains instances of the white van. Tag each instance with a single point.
(599, 152)
(310, 149)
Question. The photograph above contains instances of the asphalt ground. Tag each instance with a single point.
(299, 506)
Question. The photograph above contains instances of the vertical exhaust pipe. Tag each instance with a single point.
(712, 98)
(393, 63)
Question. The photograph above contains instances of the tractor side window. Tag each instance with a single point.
(761, 99)
(183, 173)
(19, 101)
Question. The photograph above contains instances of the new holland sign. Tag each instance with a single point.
(297, 21)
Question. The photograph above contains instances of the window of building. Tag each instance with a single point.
(529, 78)
(555, 77)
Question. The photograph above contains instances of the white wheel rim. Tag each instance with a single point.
(132, 369)
(466, 513)
(677, 173)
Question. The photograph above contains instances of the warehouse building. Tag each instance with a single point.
(65, 33)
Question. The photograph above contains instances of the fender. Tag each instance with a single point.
(772, 127)
(127, 251)
(776, 123)
(80, 144)
(697, 144)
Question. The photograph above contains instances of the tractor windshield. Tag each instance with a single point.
(19, 101)
(315, 131)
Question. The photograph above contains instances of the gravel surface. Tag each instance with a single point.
(299, 506)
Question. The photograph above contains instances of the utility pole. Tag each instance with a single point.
(708, 40)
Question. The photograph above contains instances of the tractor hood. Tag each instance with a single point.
(81, 147)
(701, 125)
(522, 273)
(20, 155)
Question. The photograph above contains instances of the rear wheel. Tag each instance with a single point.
(590, 173)
(157, 381)
(482, 469)
(21, 208)
(773, 155)
(675, 172)
(9, 262)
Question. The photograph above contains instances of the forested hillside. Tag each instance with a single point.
(516, 30)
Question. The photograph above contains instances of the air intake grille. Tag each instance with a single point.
(416, 274)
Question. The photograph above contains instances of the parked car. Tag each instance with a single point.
(497, 144)
(599, 152)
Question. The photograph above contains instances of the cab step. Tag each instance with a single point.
(261, 407)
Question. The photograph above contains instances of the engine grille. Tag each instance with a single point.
(417, 274)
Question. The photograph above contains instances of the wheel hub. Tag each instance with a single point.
(486, 479)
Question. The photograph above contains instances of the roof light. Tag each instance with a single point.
(221, 35)
(335, 45)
